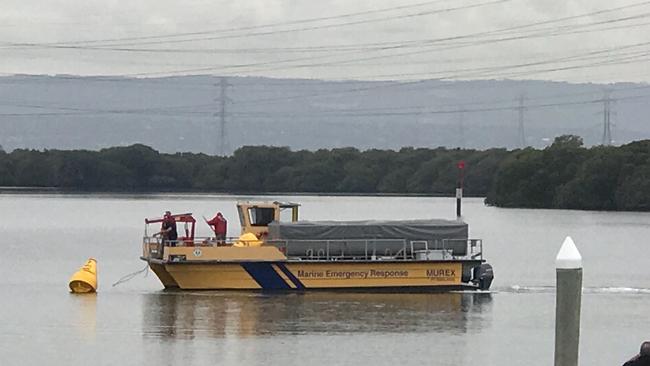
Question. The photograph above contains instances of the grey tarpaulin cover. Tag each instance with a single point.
(302, 236)
(369, 229)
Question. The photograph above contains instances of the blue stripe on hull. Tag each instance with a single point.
(291, 277)
(265, 276)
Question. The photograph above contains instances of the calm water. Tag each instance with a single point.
(45, 238)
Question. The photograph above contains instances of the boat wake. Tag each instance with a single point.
(527, 289)
(619, 290)
(474, 292)
(585, 290)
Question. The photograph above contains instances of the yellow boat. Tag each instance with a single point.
(293, 255)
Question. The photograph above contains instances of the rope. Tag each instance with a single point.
(130, 276)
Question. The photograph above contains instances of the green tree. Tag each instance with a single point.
(634, 191)
(33, 168)
(6, 170)
(141, 161)
(595, 184)
(517, 183)
(567, 142)
(250, 166)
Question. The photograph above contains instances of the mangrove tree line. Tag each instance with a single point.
(563, 175)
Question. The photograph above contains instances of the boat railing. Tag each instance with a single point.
(344, 249)
(341, 249)
(153, 246)
(381, 249)
(473, 248)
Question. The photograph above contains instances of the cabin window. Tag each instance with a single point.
(261, 216)
(285, 215)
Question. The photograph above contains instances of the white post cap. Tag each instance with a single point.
(568, 257)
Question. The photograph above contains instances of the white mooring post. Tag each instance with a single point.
(568, 267)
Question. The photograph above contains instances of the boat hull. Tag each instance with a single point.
(393, 276)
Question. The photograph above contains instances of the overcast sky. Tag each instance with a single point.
(385, 42)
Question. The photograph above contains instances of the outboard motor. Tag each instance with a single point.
(483, 276)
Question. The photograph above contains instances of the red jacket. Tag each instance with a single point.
(220, 224)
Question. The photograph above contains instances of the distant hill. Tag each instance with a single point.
(182, 113)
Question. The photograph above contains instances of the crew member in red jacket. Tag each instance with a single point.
(219, 225)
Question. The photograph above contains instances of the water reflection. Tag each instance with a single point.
(85, 311)
(189, 315)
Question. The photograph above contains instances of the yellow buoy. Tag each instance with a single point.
(85, 279)
(248, 240)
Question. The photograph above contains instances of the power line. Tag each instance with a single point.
(264, 33)
(206, 69)
(113, 40)
(270, 25)
(351, 47)
(428, 45)
(475, 72)
(274, 32)
(346, 115)
(445, 111)
(432, 47)
(482, 34)
(193, 107)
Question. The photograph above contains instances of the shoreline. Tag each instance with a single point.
(56, 190)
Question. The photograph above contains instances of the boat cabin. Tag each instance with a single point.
(255, 217)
